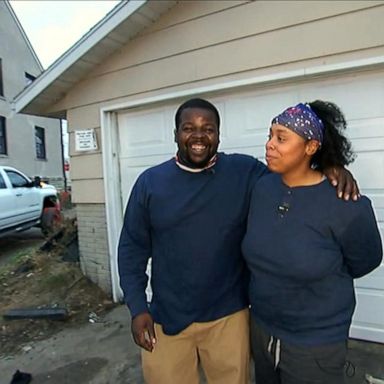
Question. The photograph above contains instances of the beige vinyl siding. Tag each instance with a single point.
(189, 10)
(257, 14)
(249, 20)
(86, 172)
(203, 42)
(88, 191)
(88, 166)
(332, 35)
(85, 117)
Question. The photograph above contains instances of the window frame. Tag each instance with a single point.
(2, 182)
(17, 180)
(3, 136)
(29, 79)
(40, 148)
(1, 78)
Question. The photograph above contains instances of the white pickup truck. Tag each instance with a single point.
(25, 203)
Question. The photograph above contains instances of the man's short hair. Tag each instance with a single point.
(196, 103)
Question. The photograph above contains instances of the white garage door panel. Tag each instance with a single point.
(131, 168)
(374, 281)
(363, 128)
(368, 319)
(252, 145)
(148, 141)
(365, 332)
(131, 174)
(147, 134)
(365, 301)
(360, 96)
(378, 205)
(246, 119)
(146, 161)
(369, 144)
(367, 136)
(146, 138)
(253, 112)
(368, 169)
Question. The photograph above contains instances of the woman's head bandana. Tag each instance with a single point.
(302, 120)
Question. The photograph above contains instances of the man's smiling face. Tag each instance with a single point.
(197, 137)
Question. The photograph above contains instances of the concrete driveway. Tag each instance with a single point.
(104, 353)
(97, 353)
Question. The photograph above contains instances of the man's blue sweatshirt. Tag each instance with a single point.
(191, 225)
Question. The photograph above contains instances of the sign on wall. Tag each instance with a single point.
(85, 140)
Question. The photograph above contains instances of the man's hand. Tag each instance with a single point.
(344, 181)
(143, 331)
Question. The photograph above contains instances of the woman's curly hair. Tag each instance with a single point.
(336, 149)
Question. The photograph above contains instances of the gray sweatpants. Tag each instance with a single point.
(277, 362)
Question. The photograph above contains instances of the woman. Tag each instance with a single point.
(304, 247)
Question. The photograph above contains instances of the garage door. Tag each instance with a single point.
(146, 138)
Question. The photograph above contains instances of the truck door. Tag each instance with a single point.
(28, 204)
(7, 204)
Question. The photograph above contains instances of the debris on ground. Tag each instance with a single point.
(93, 318)
(373, 380)
(66, 238)
(42, 279)
(36, 313)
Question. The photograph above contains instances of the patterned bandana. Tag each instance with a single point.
(302, 120)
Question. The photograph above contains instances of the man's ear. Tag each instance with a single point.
(175, 135)
(312, 147)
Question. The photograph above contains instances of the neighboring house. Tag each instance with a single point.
(122, 82)
(29, 143)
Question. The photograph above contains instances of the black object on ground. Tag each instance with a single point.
(36, 313)
(21, 378)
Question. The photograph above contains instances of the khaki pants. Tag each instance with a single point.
(220, 346)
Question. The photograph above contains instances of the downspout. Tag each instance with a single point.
(62, 155)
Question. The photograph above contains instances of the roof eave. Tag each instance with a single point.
(120, 13)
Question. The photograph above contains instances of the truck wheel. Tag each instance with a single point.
(49, 220)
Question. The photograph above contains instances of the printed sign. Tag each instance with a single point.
(85, 140)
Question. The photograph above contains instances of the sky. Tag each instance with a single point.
(53, 26)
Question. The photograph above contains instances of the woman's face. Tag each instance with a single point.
(286, 151)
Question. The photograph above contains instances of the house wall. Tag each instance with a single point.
(93, 243)
(17, 58)
(252, 37)
(201, 43)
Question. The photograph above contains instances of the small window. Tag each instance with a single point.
(40, 143)
(2, 183)
(17, 180)
(1, 79)
(29, 78)
(3, 136)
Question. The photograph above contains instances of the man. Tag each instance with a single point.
(189, 215)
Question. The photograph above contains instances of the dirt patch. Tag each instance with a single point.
(42, 279)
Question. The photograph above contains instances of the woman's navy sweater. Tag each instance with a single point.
(304, 247)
